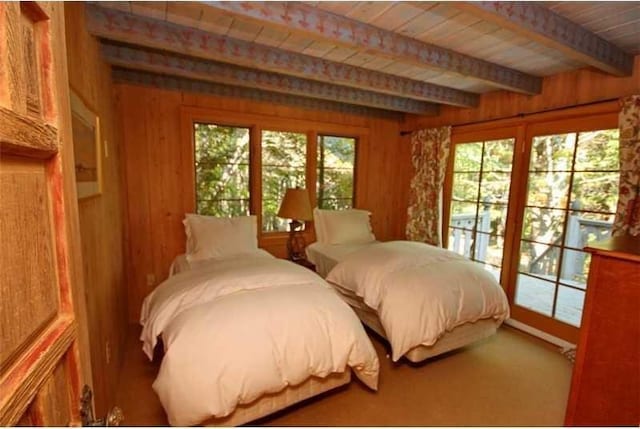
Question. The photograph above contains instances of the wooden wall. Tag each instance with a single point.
(558, 91)
(154, 152)
(101, 225)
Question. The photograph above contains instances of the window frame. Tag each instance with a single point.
(256, 123)
(461, 136)
(577, 119)
(219, 124)
(355, 163)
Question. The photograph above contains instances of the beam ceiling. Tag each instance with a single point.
(211, 71)
(174, 83)
(151, 33)
(547, 27)
(296, 16)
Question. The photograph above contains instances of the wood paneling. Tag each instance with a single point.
(101, 225)
(559, 91)
(158, 157)
(27, 235)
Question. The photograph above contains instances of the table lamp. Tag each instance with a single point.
(296, 206)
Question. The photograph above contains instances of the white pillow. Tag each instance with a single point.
(343, 226)
(215, 237)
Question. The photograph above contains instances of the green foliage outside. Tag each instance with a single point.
(336, 161)
(222, 171)
(575, 171)
(283, 166)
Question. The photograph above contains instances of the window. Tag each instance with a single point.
(480, 198)
(244, 163)
(221, 169)
(335, 177)
(283, 166)
(571, 198)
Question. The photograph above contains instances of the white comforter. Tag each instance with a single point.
(234, 330)
(420, 291)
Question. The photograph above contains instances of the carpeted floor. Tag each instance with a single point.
(511, 379)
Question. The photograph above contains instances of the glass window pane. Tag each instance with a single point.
(543, 225)
(535, 294)
(223, 208)
(463, 215)
(221, 170)
(598, 150)
(283, 166)
(460, 241)
(539, 259)
(465, 186)
(489, 249)
(575, 268)
(335, 175)
(467, 157)
(569, 304)
(280, 148)
(335, 204)
(495, 187)
(492, 219)
(548, 189)
(585, 227)
(596, 192)
(552, 153)
(498, 155)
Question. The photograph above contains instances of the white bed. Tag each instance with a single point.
(388, 286)
(247, 334)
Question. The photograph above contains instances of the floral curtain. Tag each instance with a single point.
(429, 153)
(628, 212)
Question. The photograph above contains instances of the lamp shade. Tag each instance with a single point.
(295, 205)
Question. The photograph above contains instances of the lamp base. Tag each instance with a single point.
(296, 243)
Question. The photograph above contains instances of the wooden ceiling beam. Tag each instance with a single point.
(212, 71)
(143, 31)
(175, 83)
(542, 25)
(300, 17)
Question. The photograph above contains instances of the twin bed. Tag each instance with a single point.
(246, 334)
(422, 299)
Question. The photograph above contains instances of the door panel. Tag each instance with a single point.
(40, 365)
(27, 254)
(570, 195)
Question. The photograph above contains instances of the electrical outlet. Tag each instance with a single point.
(151, 279)
(107, 351)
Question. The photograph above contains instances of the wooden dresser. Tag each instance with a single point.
(605, 388)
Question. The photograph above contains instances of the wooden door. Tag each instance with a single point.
(43, 337)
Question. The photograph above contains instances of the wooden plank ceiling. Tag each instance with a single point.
(372, 56)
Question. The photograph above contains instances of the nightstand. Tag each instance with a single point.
(304, 263)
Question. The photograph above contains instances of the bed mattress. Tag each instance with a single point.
(270, 403)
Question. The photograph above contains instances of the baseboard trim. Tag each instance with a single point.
(540, 334)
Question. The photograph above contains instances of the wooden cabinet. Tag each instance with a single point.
(605, 388)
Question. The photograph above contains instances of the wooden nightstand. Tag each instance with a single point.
(304, 263)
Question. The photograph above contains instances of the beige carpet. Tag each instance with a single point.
(511, 379)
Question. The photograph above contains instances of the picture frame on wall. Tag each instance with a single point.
(85, 125)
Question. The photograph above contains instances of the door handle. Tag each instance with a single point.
(113, 417)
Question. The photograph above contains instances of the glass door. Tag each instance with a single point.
(571, 197)
(480, 184)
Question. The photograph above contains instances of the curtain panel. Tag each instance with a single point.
(429, 154)
(627, 219)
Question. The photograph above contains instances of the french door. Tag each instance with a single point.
(524, 201)
(569, 196)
